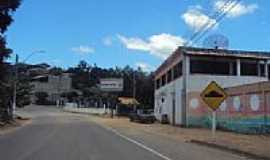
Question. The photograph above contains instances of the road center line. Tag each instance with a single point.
(138, 144)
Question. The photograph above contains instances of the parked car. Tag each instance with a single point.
(142, 116)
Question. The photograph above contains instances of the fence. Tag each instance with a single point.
(72, 107)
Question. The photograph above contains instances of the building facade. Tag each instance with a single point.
(53, 85)
(182, 77)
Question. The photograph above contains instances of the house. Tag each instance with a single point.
(53, 85)
(182, 77)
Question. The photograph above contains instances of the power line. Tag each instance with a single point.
(214, 16)
(217, 21)
(217, 16)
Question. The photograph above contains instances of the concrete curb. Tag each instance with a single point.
(229, 149)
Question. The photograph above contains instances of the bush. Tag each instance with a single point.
(41, 98)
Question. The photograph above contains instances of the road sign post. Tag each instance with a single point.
(214, 124)
(112, 86)
(213, 95)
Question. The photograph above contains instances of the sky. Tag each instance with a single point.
(141, 33)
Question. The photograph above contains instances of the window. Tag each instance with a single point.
(169, 76)
(157, 83)
(262, 70)
(204, 66)
(177, 69)
(249, 69)
(163, 80)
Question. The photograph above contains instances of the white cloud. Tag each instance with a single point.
(196, 19)
(161, 45)
(238, 9)
(144, 66)
(134, 43)
(107, 41)
(83, 50)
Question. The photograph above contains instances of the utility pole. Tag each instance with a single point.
(15, 86)
(16, 78)
(134, 91)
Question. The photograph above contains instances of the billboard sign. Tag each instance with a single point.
(111, 84)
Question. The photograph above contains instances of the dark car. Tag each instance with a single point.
(142, 116)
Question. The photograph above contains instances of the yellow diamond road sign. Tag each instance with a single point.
(213, 95)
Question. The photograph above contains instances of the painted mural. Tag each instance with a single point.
(244, 112)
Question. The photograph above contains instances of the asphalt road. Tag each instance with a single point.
(55, 135)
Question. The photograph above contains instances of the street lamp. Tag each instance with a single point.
(16, 77)
(30, 55)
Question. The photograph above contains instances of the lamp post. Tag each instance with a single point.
(16, 78)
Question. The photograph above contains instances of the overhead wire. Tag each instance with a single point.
(217, 16)
(216, 22)
(205, 25)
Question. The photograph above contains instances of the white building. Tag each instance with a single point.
(189, 70)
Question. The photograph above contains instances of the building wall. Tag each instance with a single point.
(246, 110)
(168, 92)
(55, 86)
(200, 116)
(197, 82)
(189, 86)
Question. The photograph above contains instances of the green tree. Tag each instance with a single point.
(41, 97)
(7, 7)
(70, 95)
(24, 89)
(86, 78)
(81, 76)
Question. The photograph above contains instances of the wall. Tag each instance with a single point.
(71, 107)
(54, 86)
(197, 82)
(246, 110)
(166, 107)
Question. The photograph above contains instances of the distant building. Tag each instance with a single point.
(53, 85)
(38, 69)
(181, 78)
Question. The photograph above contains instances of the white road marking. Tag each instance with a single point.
(138, 144)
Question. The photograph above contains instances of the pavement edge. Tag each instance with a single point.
(229, 149)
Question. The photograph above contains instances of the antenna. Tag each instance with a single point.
(216, 41)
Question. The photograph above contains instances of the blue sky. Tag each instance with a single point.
(127, 32)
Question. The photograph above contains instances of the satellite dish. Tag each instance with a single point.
(216, 41)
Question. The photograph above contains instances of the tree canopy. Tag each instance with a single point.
(7, 8)
(85, 78)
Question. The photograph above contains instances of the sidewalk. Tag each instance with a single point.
(254, 144)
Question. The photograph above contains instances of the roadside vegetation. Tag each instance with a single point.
(86, 77)
(7, 8)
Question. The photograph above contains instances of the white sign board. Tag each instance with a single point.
(111, 84)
